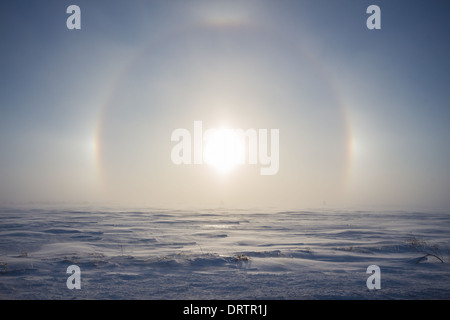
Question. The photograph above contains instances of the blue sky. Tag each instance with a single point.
(363, 114)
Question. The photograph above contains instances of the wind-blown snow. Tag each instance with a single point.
(222, 254)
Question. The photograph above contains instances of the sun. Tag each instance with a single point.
(224, 150)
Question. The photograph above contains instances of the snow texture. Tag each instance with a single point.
(222, 254)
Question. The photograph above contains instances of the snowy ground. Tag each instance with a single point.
(222, 254)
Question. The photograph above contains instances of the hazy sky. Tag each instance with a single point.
(363, 115)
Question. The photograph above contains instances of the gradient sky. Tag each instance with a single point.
(87, 115)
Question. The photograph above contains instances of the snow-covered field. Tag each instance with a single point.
(222, 254)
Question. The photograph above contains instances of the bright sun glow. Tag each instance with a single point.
(224, 150)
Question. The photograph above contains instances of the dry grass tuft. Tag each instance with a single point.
(241, 257)
(427, 249)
